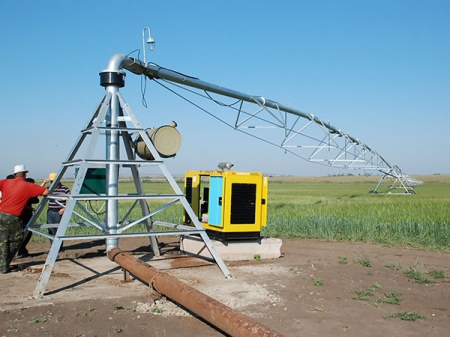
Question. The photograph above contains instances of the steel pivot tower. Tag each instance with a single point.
(113, 121)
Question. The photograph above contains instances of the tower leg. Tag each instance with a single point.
(137, 182)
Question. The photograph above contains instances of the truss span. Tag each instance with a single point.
(301, 134)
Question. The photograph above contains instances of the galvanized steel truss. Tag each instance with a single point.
(114, 121)
(301, 134)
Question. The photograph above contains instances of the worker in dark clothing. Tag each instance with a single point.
(56, 207)
(26, 215)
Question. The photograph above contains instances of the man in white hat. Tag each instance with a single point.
(15, 195)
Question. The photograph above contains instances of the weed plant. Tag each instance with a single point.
(318, 282)
(409, 316)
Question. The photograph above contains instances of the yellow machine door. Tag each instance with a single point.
(264, 197)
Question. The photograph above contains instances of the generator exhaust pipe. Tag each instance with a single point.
(221, 316)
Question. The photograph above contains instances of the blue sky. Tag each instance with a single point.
(377, 69)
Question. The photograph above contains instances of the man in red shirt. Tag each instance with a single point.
(15, 195)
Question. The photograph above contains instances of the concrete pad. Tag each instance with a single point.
(236, 250)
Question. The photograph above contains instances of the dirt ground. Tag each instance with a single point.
(317, 288)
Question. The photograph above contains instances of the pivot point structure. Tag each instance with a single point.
(112, 127)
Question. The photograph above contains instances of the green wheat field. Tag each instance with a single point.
(333, 208)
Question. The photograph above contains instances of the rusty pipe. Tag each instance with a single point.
(221, 316)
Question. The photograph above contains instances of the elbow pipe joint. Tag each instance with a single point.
(113, 75)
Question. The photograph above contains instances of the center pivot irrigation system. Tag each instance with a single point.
(115, 127)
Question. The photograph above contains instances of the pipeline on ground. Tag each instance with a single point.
(214, 312)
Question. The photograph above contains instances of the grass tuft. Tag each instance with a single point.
(418, 276)
(409, 316)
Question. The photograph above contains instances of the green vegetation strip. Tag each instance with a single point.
(345, 211)
(332, 208)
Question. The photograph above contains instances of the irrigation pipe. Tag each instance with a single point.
(221, 316)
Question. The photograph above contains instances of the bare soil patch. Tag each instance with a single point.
(317, 288)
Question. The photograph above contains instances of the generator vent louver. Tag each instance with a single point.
(243, 203)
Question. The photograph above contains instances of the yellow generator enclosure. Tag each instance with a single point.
(228, 204)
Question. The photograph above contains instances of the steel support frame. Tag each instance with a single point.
(111, 120)
(401, 181)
